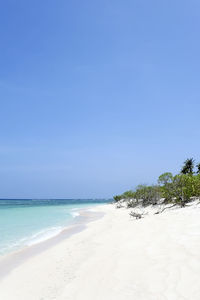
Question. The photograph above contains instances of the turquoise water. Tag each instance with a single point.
(26, 222)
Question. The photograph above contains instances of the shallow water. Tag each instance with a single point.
(27, 222)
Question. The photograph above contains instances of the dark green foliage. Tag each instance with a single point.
(178, 189)
(117, 198)
(148, 194)
(126, 195)
(188, 166)
(198, 168)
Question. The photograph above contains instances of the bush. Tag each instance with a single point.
(126, 195)
(117, 198)
(148, 194)
(181, 189)
(178, 189)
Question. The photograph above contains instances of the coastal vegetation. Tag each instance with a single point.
(177, 189)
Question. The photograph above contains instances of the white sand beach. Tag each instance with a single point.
(116, 258)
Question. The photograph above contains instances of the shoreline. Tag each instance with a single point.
(12, 260)
(115, 258)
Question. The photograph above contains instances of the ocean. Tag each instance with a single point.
(30, 221)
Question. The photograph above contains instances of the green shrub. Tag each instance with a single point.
(178, 189)
(117, 198)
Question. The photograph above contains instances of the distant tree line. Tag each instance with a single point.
(179, 189)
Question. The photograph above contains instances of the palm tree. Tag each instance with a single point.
(188, 166)
(198, 168)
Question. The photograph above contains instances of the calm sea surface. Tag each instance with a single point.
(26, 222)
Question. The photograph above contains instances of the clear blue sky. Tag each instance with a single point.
(96, 96)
